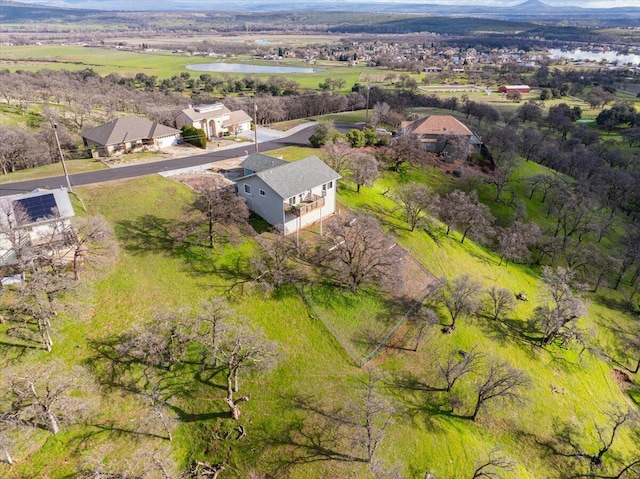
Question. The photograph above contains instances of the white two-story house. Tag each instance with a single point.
(291, 195)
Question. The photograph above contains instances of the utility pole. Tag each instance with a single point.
(64, 165)
(255, 124)
(366, 118)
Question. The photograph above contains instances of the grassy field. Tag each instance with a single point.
(163, 64)
(155, 273)
(46, 171)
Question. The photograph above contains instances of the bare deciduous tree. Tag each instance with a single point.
(465, 212)
(360, 254)
(417, 200)
(221, 206)
(569, 439)
(458, 364)
(94, 243)
(372, 415)
(244, 349)
(405, 148)
(5, 441)
(45, 398)
(275, 268)
(459, 296)
(154, 464)
(493, 466)
(209, 327)
(422, 318)
(157, 411)
(337, 154)
(162, 342)
(555, 320)
(515, 241)
(500, 382)
(499, 301)
(18, 150)
(38, 298)
(363, 169)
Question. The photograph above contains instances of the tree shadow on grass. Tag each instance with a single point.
(382, 215)
(610, 302)
(508, 331)
(152, 234)
(149, 233)
(423, 400)
(116, 370)
(319, 434)
(25, 333)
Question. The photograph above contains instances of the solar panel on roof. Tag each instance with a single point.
(37, 208)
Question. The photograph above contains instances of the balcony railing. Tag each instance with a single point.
(305, 207)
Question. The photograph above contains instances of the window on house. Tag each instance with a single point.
(247, 189)
(263, 193)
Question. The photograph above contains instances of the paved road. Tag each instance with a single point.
(300, 138)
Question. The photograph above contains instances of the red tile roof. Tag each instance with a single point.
(437, 125)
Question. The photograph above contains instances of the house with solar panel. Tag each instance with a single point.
(129, 134)
(288, 195)
(40, 219)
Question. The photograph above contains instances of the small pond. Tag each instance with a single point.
(246, 68)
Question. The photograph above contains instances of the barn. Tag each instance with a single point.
(512, 88)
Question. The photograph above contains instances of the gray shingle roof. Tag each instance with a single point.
(130, 128)
(298, 176)
(259, 162)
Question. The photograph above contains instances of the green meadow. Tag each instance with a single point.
(164, 64)
(155, 272)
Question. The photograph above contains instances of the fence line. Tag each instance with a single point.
(344, 343)
(383, 344)
(315, 313)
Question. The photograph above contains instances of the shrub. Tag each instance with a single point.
(194, 136)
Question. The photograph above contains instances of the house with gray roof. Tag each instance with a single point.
(289, 195)
(256, 162)
(129, 134)
(215, 119)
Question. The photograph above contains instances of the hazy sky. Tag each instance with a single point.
(212, 5)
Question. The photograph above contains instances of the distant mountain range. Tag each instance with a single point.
(528, 10)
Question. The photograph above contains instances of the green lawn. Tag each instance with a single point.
(164, 64)
(155, 272)
(46, 171)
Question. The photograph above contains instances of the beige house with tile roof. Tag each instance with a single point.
(215, 119)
